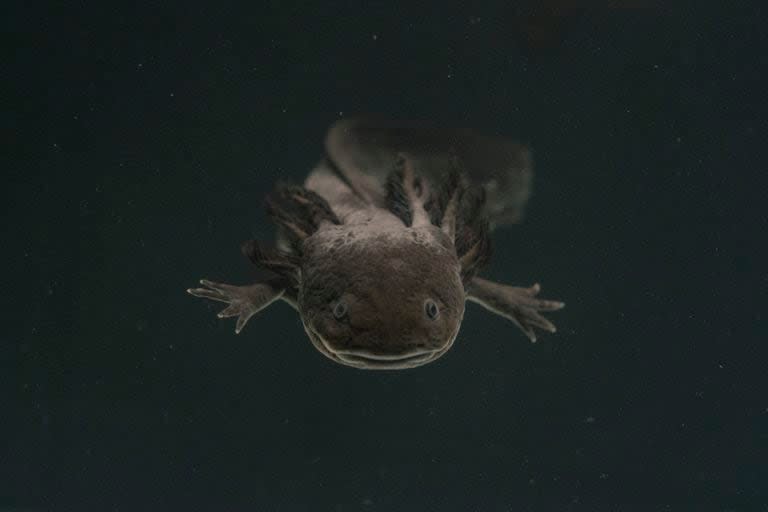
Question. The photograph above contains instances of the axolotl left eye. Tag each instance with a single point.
(431, 309)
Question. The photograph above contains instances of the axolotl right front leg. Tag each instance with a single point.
(301, 214)
(244, 301)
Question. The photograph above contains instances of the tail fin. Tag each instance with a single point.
(366, 150)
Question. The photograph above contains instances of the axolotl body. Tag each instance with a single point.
(381, 247)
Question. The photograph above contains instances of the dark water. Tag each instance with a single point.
(139, 143)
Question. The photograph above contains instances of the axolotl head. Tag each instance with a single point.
(387, 293)
(385, 300)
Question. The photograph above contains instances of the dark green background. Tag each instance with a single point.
(140, 142)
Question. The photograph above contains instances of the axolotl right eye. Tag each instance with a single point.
(340, 310)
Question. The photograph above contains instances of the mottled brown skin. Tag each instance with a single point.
(380, 249)
(385, 282)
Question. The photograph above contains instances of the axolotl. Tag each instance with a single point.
(382, 246)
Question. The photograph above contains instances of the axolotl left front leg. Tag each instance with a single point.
(520, 305)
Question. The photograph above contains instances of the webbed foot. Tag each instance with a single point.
(244, 301)
(520, 305)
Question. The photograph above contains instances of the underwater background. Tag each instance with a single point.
(141, 140)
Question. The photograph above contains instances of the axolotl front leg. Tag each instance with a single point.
(302, 212)
(520, 305)
(244, 301)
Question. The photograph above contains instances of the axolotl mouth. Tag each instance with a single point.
(366, 359)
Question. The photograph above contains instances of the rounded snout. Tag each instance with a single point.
(369, 353)
(373, 360)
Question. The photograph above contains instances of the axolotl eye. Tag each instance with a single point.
(340, 310)
(431, 309)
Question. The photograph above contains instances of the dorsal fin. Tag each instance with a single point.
(363, 151)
